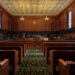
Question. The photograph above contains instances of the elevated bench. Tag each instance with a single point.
(12, 55)
(66, 67)
(59, 54)
(35, 44)
(4, 67)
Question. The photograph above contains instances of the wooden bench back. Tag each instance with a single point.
(49, 48)
(4, 67)
(12, 55)
(18, 48)
(13, 44)
(66, 67)
(57, 43)
(59, 54)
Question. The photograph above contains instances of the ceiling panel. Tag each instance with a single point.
(34, 7)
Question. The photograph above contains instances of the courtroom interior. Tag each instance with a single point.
(37, 37)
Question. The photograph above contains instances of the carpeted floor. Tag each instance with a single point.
(34, 64)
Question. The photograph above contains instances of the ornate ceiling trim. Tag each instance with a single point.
(35, 7)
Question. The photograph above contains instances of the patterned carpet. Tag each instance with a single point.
(34, 64)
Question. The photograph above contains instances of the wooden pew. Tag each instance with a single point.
(12, 55)
(4, 67)
(62, 67)
(56, 43)
(59, 54)
(49, 48)
(66, 67)
(25, 44)
(32, 43)
(14, 44)
(18, 48)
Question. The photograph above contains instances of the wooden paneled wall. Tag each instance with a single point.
(55, 23)
(41, 24)
(63, 16)
(13, 23)
(70, 34)
(6, 19)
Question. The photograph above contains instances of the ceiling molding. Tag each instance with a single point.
(35, 7)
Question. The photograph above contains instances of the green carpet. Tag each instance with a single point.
(34, 64)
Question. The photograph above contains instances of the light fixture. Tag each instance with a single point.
(22, 18)
(46, 18)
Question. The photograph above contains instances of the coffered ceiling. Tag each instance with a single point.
(34, 7)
